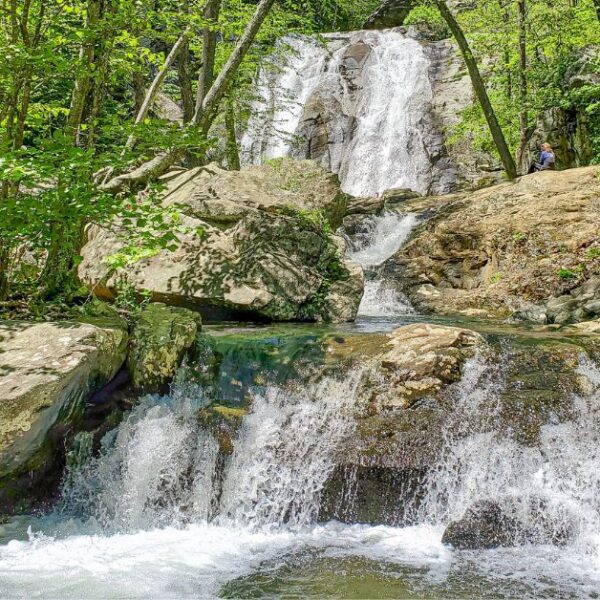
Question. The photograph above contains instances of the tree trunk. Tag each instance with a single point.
(233, 155)
(156, 83)
(523, 113)
(480, 91)
(185, 83)
(205, 114)
(597, 6)
(59, 272)
(84, 80)
(4, 283)
(209, 48)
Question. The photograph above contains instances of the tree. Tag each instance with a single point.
(480, 90)
(523, 113)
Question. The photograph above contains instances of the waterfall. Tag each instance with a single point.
(356, 103)
(553, 485)
(382, 236)
(286, 451)
(159, 467)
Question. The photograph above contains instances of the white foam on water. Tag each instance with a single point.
(197, 560)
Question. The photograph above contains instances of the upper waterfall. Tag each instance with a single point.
(356, 103)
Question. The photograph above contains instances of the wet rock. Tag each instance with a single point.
(391, 13)
(161, 337)
(256, 245)
(509, 522)
(387, 201)
(484, 525)
(47, 373)
(419, 360)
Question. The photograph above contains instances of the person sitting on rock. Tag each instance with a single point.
(547, 160)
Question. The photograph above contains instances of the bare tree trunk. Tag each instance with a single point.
(523, 113)
(209, 48)
(233, 155)
(84, 80)
(480, 91)
(156, 83)
(185, 83)
(204, 114)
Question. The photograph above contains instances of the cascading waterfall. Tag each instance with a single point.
(552, 488)
(159, 467)
(375, 132)
(384, 236)
(286, 451)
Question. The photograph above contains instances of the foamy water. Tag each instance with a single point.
(197, 560)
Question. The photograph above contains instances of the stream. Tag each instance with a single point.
(164, 511)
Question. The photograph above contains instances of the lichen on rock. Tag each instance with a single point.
(161, 336)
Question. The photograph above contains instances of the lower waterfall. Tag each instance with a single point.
(162, 513)
(159, 466)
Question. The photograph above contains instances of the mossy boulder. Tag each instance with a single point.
(161, 337)
(47, 373)
(254, 245)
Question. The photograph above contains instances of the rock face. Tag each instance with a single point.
(161, 337)
(399, 423)
(256, 244)
(529, 248)
(47, 372)
(391, 13)
(418, 361)
(489, 524)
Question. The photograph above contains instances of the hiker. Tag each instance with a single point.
(547, 160)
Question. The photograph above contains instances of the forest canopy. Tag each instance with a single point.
(98, 97)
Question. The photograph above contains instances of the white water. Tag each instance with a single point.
(559, 479)
(384, 147)
(147, 530)
(387, 234)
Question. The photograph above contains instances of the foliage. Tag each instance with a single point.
(563, 60)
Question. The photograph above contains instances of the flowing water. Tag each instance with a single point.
(382, 237)
(160, 513)
(375, 127)
(178, 505)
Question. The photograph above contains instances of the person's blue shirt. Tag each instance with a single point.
(547, 161)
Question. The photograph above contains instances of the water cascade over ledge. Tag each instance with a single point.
(356, 104)
(164, 492)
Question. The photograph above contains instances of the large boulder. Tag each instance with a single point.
(161, 337)
(418, 361)
(400, 420)
(508, 249)
(47, 373)
(254, 244)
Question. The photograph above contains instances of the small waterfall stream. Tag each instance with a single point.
(383, 236)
